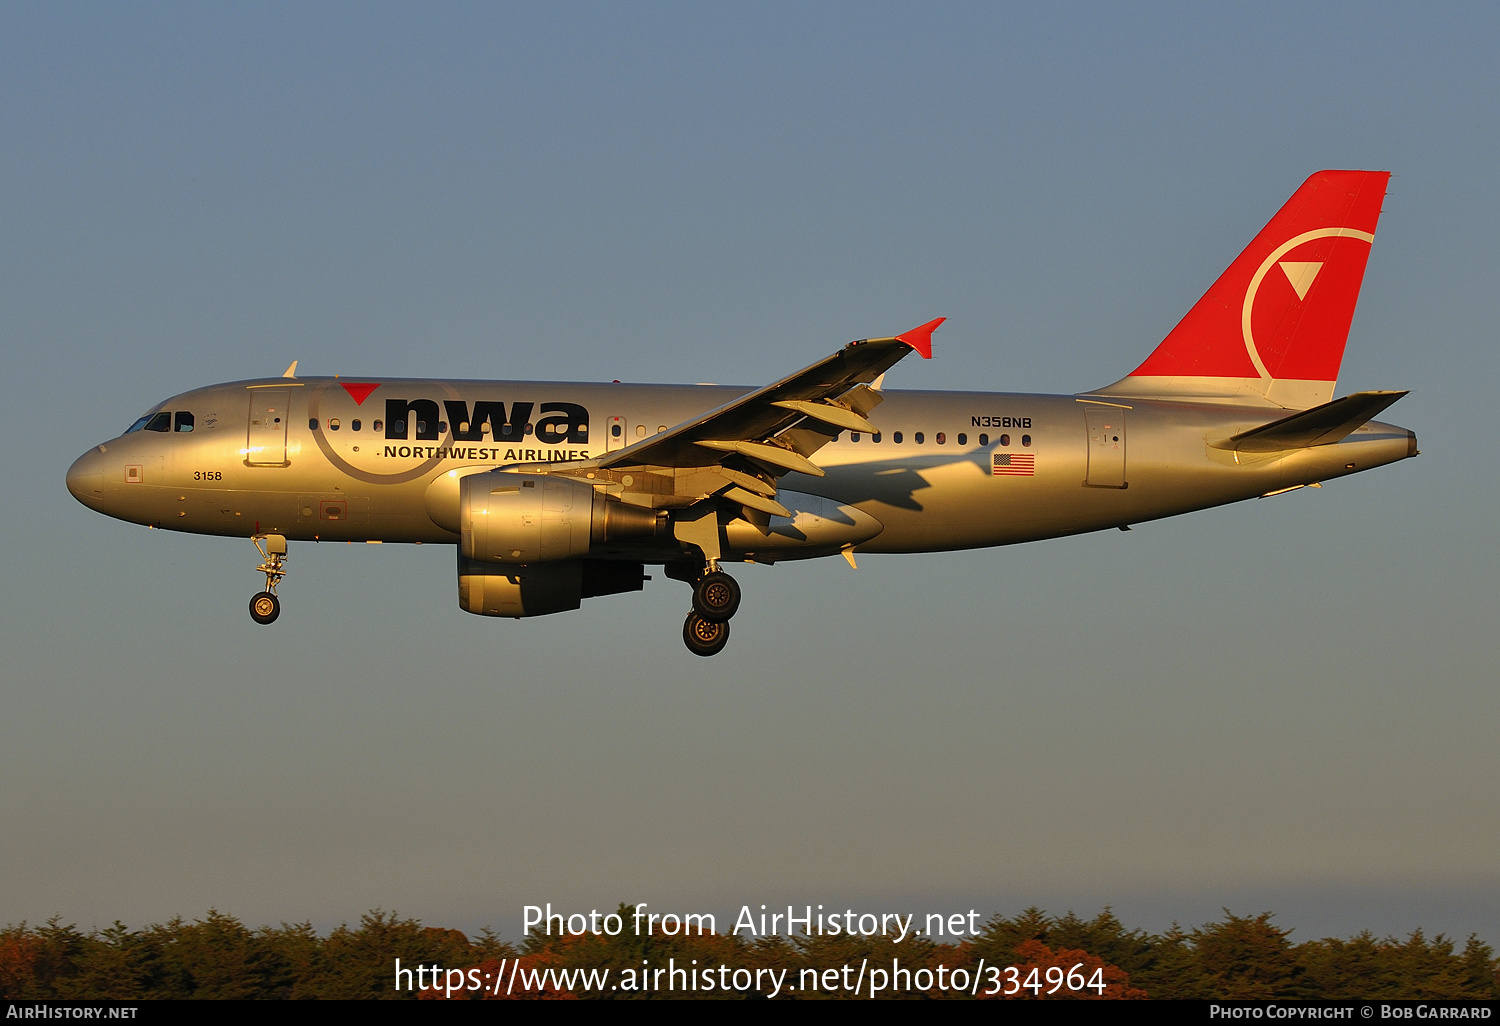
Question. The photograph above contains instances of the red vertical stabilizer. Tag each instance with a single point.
(1273, 327)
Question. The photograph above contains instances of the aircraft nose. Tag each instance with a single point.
(86, 478)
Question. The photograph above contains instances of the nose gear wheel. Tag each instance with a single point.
(265, 608)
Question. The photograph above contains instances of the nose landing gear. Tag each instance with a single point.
(265, 607)
(716, 598)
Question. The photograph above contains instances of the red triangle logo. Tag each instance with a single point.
(359, 392)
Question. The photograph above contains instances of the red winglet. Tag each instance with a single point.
(920, 338)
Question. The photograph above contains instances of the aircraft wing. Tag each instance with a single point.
(778, 427)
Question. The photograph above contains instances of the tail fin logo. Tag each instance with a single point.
(1275, 322)
(1300, 275)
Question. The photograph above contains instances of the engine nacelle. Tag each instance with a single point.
(493, 589)
(523, 519)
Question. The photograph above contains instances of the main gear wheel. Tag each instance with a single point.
(705, 637)
(716, 596)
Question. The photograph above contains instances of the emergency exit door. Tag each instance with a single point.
(1106, 426)
(615, 437)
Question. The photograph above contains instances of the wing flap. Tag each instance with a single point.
(754, 501)
(828, 413)
(764, 453)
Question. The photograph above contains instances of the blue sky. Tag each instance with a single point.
(1288, 704)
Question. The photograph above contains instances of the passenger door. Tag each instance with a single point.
(265, 440)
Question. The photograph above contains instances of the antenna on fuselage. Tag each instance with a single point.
(291, 372)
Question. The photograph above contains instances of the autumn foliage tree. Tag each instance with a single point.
(1237, 956)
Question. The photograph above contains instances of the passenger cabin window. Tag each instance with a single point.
(378, 425)
(875, 437)
(354, 425)
(184, 421)
(312, 423)
(333, 425)
(963, 439)
(1026, 440)
(161, 422)
(854, 436)
(896, 437)
(984, 439)
(918, 437)
(1005, 439)
(941, 438)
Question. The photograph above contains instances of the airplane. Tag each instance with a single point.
(552, 493)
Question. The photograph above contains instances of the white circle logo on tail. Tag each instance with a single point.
(1300, 273)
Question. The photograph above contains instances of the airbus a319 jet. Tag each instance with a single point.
(552, 493)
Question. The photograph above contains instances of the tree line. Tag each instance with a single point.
(1235, 957)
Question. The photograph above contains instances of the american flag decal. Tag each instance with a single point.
(1014, 464)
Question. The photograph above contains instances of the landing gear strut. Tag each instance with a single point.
(716, 598)
(265, 607)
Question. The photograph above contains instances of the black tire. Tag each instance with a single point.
(716, 596)
(705, 637)
(265, 608)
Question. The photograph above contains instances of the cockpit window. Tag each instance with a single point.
(132, 429)
(184, 421)
(161, 422)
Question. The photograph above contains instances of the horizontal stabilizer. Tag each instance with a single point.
(1321, 425)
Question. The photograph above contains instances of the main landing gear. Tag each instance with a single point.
(705, 637)
(716, 598)
(265, 607)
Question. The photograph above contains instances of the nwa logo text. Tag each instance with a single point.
(561, 422)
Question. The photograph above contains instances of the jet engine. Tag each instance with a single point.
(524, 538)
(523, 519)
